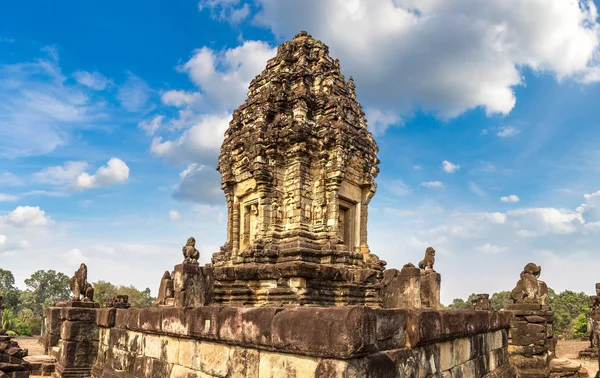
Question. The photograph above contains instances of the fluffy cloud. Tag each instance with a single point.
(200, 143)
(114, 172)
(510, 199)
(444, 56)
(93, 80)
(449, 167)
(223, 76)
(26, 216)
(432, 184)
(61, 174)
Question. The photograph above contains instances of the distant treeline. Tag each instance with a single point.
(570, 310)
(24, 308)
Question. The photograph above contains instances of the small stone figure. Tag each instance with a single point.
(120, 301)
(529, 288)
(89, 293)
(428, 261)
(79, 283)
(481, 302)
(190, 253)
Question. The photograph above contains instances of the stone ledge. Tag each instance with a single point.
(333, 332)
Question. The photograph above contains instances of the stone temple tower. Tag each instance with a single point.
(298, 169)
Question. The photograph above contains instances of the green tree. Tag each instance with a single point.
(104, 291)
(580, 326)
(567, 306)
(500, 299)
(33, 321)
(8, 290)
(44, 288)
(9, 320)
(460, 304)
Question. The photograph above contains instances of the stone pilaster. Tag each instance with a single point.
(531, 342)
(401, 289)
(191, 285)
(430, 289)
(79, 340)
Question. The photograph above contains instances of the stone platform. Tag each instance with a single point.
(333, 342)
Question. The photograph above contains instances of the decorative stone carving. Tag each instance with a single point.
(165, 291)
(190, 253)
(427, 263)
(593, 327)
(529, 288)
(481, 302)
(81, 289)
(119, 301)
(298, 168)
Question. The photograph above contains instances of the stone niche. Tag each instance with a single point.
(298, 169)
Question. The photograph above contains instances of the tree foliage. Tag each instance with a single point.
(8, 290)
(570, 310)
(45, 287)
(104, 291)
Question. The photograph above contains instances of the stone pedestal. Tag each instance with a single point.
(191, 285)
(531, 341)
(430, 289)
(79, 339)
(401, 289)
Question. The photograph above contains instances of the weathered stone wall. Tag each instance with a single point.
(301, 342)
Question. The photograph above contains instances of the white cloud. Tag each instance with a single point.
(449, 167)
(26, 216)
(200, 143)
(417, 167)
(378, 121)
(114, 172)
(39, 109)
(181, 99)
(150, 127)
(8, 197)
(510, 199)
(226, 10)
(93, 80)
(61, 174)
(445, 56)
(174, 215)
(223, 77)
(507, 132)
(497, 218)
(134, 94)
(432, 184)
(491, 249)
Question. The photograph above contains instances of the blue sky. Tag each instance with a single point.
(111, 117)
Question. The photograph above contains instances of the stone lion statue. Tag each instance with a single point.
(529, 288)
(428, 261)
(78, 283)
(190, 253)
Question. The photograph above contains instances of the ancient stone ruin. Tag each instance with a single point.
(295, 290)
(531, 338)
(593, 328)
(481, 302)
